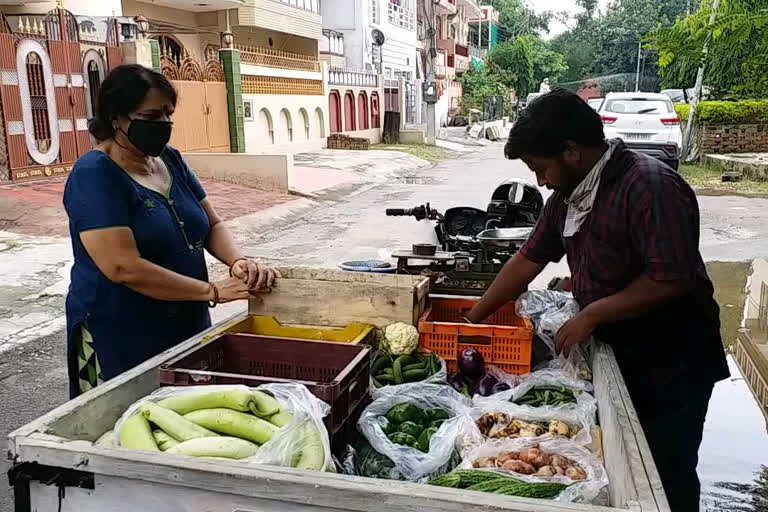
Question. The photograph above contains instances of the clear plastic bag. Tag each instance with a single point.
(549, 310)
(284, 447)
(583, 418)
(585, 406)
(439, 377)
(456, 433)
(584, 491)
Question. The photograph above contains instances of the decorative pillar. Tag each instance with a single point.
(230, 62)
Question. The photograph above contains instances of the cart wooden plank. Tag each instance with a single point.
(634, 480)
(329, 297)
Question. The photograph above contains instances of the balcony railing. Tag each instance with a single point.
(461, 63)
(306, 5)
(446, 45)
(268, 57)
(340, 76)
(332, 42)
(477, 52)
(462, 50)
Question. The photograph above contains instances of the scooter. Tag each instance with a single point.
(474, 244)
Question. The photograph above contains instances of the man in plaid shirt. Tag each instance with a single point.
(629, 226)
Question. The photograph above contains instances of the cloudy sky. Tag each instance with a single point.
(556, 27)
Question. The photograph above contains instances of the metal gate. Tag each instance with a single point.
(201, 121)
(410, 102)
(42, 94)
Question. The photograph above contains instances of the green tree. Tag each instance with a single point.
(479, 83)
(513, 61)
(605, 43)
(516, 19)
(737, 44)
(547, 63)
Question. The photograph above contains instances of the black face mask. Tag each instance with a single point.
(149, 137)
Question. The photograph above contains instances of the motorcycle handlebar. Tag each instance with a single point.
(399, 212)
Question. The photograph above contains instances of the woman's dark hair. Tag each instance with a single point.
(549, 121)
(122, 91)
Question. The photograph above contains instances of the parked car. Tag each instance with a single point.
(595, 103)
(646, 122)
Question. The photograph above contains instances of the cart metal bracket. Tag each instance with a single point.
(21, 474)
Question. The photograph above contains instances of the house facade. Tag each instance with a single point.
(50, 66)
(257, 76)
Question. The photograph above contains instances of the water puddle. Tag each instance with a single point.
(733, 458)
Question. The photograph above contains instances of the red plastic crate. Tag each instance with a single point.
(504, 339)
(336, 373)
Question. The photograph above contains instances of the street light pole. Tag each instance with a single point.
(686, 150)
(637, 73)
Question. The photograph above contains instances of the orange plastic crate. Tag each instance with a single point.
(504, 339)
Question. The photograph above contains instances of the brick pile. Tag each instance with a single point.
(339, 141)
(741, 138)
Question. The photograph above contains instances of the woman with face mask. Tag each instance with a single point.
(140, 223)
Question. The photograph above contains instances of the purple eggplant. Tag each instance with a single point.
(499, 387)
(486, 384)
(471, 363)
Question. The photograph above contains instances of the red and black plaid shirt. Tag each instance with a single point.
(645, 220)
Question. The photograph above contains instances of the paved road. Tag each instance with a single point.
(349, 223)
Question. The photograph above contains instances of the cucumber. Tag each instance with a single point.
(280, 419)
(397, 369)
(417, 366)
(415, 375)
(233, 423)
(312, 456)
(238, 399)
(106, 439)
(164, 441)
(135, 433)
(381, 362)
(385, 379)
(224, 447)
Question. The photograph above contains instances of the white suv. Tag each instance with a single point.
(646, 122)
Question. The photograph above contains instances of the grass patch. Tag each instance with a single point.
(426, 152)
(729, 280)
(706, 179)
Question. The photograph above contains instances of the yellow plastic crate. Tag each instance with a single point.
(269, 326)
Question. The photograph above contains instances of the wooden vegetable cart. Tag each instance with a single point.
(56, 467)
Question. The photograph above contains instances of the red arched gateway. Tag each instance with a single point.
(334, 109)
(375, 119)
(362, 111)
(349, 112)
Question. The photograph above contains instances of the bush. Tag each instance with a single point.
(727, 112)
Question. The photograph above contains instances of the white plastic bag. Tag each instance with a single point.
(584, 491)
(286, 443)
(575, 417)
(585, 406)
(439, 377)
(456, 433)
(549, 310)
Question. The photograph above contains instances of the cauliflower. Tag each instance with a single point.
(401, 338)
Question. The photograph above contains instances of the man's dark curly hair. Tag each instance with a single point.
(549, 121)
